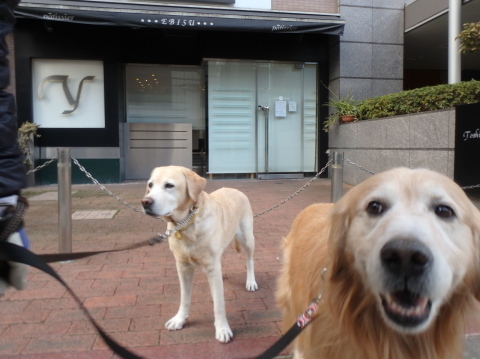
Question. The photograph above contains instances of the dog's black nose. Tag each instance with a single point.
(147, 202)
(405, 257)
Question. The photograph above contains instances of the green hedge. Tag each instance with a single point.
(421, 99)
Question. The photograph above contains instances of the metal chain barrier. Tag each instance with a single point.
(295, 193)
(470, 187)
(358, 166)
(42, 166)
(126, 204)
(371, 172)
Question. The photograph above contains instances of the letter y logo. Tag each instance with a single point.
(66, 90)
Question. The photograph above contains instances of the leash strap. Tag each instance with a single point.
(281, 343)
(13, 253)
(61, 257)
(302, 321)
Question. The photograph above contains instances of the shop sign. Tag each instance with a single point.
(467, 147)
(68, 93)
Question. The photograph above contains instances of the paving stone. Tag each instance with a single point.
(132, 294)
(47, 196)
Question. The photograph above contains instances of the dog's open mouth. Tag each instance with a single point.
(405, 308)
(150, 213)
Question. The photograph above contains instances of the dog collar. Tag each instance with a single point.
(184, 223)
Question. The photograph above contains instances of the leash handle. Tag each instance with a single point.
(13, 222)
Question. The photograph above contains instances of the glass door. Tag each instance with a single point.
(261, 117)
(286, 118)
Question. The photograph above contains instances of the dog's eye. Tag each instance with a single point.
(444, 211)
(169, 185)
(150, 184)
(375, 208)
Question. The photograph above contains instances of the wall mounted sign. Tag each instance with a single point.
(68, 93)
(467, 146)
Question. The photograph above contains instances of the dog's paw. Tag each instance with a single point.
(175, 323)
(223, 334)
(252, 286)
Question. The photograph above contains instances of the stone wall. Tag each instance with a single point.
(418, 140)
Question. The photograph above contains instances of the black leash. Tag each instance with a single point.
(302, 321)
(281, 343)
(61, 257)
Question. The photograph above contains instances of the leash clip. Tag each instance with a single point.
(158, 239)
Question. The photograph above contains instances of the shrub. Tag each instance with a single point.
(25, 133)
(421, 99)
(343, 106)
(470, 38)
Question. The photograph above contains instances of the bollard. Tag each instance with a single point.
(64, 175)
(337, 176)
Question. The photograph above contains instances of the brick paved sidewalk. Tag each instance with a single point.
(131, 294)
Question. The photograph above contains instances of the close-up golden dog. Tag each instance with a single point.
(401, 252)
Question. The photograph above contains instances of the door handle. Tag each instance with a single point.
(265, 109)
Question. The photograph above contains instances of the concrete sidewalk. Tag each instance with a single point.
(131, 294)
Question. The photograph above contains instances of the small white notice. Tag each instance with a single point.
(292, 106)
(281, 108)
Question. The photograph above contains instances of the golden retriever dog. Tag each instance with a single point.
(401, 252)
(174, 193)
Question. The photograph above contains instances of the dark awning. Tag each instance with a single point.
(178, 17)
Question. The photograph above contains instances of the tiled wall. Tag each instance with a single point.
(315, 6)
(368, 59)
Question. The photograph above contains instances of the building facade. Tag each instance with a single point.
(230, 88)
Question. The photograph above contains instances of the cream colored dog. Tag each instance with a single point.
(175, 193)
(401, 252)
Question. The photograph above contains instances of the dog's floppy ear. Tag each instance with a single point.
(195, 184)
(341, 217)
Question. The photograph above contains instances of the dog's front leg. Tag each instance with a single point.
(223, 333)
(185, 275)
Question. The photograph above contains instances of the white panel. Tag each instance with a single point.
(231, 122)
(165, 94)
(254, 4)
(68, 93)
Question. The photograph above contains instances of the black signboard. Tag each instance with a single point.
(467, 147)
(216, 20)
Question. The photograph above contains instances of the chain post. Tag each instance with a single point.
(64, 173)
(337, 176)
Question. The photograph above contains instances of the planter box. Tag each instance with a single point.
(422, 140)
